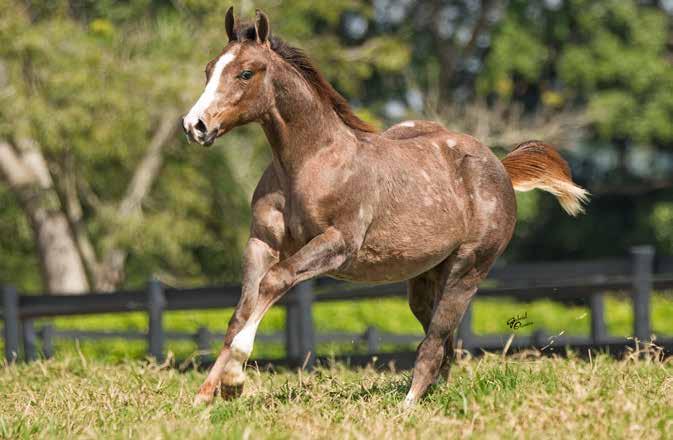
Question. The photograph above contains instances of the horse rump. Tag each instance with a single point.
(536, 165)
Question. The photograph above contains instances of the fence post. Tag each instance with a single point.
(47, 333)
(307, 331)
(155, 309)
(299, 331)
(465, 328)
(540, 340)
(29, 340)
(291, 327)
(10, 305)
(643, 262)
(598, 332)
(372, 338)
(203, 339)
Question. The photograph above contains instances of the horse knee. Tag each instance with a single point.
(276, 281)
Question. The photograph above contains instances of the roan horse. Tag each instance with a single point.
(415, 202)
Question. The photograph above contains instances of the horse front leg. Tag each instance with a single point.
(324, 253)
(257, 260)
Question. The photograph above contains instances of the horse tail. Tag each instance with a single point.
(536, 165)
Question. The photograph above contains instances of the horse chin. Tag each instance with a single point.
(208, 140)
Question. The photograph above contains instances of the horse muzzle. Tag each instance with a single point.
(196, 131)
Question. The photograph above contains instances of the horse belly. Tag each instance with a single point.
(402, 248)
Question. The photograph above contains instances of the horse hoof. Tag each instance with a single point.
(229, 392)
(408, 403)
(205, 395)
(201, 400)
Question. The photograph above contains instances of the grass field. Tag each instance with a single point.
(108, 389)
(389, 315)
(491, 397)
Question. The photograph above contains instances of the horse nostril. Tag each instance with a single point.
(200, 126)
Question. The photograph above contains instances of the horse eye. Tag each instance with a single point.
(246, 75)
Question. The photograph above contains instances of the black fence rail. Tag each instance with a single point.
(587, 282)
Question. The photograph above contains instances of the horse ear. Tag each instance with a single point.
(262, 27)
(229, 22)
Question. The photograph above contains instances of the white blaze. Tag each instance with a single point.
(210, 91)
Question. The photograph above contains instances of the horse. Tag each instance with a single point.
(415, 203)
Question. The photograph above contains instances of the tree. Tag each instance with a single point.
(92, 93)
(610, 57)
(98, 187)
(84, 137)
(610, 60)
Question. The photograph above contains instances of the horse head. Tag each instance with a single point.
(238, 88)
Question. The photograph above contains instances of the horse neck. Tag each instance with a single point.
(300, 124)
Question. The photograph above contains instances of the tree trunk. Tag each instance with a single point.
(62, 243)
(110, 273)
(25, 170)
(62, 268)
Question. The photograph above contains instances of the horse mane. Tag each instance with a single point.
(298, 59)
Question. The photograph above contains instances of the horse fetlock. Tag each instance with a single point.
(233, 374)
(233, 377)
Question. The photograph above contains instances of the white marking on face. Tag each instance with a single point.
(425, 175)
(450, 143)
(210, 92)
(408, 124)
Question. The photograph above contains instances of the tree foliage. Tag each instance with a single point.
(95, 89)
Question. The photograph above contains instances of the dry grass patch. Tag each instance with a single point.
(490, 397)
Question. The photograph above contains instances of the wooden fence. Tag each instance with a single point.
(587, 282)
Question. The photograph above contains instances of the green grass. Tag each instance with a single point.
(390, 315)
(491, 397)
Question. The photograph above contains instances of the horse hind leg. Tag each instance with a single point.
(456, 286)
(422, 293)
